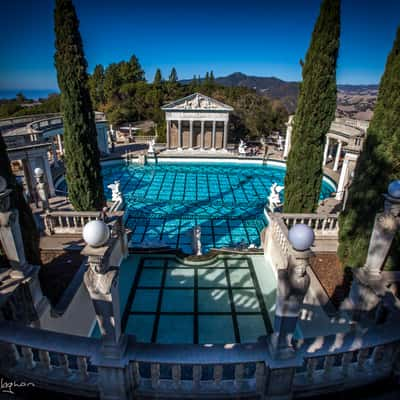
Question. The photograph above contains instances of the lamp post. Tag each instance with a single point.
(293, 283)
(41, 188)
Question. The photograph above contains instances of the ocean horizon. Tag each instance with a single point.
(32, 94)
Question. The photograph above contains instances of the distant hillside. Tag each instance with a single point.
(287, 92)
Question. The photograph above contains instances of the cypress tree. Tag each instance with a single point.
(378, 165)
(315, 113)
(157, 77)
(83, 175)
(30, 234)
(173, 76)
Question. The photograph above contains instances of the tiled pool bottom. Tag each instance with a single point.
(165, 201)
(226, 300)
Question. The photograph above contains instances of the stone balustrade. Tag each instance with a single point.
(72, 364)
(322, 224)
(68, 222)
(72, 222)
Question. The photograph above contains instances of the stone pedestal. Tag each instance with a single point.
(293, 284)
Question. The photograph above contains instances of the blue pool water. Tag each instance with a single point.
(165, 201)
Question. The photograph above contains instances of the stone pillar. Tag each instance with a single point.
(385, 227)
(213, 135)
(326, 149)
(337, 158)
(288, 139)
(225, 145)
(60, 144)
(54, 153)
(202, 136)
(179, 134)
(191, 135)
(168, 133)
(22, 275)
(343, 179)
(30, 184)
(49, 177)
(293, 284)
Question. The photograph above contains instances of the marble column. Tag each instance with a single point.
(213, 135)
(179, 134)
(288, 139)
(225, 143)
(202, 136)
(326, 149)
(337, 158)
(168, 133)
(60, 144)
(343, 179)
(49, 177)
(29, 180)
(191, 135)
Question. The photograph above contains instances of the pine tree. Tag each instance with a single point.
(157, 77)
(83, 175)
(315, 113)
(173, 76)
(378, 165)
(30, 234)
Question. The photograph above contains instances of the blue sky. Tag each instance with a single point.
(256, 37)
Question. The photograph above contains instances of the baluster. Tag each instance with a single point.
(302, 220)
(45, 361)
(332, 224)
(68, 221)
(136, 373)
(197, 372)
(260, 377)
(311, 366)
(310, 222)
(239, 375)
(82, 367)
(176, 376)
(60, 224)
(328, 364)
(74, 221)
(82, 222)
(63, 363)
(362, 358)
(324, 223)
(377, 355)
(346, 360)
(27, 356)
(218, 369)
(155, 375)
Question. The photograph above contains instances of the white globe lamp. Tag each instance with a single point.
(301, 237)
(96, 233)
(38, 172)
(394, 189)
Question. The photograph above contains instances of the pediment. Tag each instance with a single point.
(197, 102)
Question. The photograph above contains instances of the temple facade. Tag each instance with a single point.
(197, 122)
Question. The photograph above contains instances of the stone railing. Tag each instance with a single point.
(194, 370)
(76, 365)
(68, 222)
(356, 123)
(8, 124)
(322, 224)
(72, 222)
(50, 360)
(350, 360)
(46, 124)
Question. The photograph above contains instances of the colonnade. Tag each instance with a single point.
(210, 136)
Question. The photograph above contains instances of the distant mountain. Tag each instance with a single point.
(287, 92)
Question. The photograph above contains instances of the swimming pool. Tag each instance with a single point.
(165, 201)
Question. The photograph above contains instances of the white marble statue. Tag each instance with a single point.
(274, 199)
(116, 191)
(242, 147)
(196, 241)
(151, 146)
